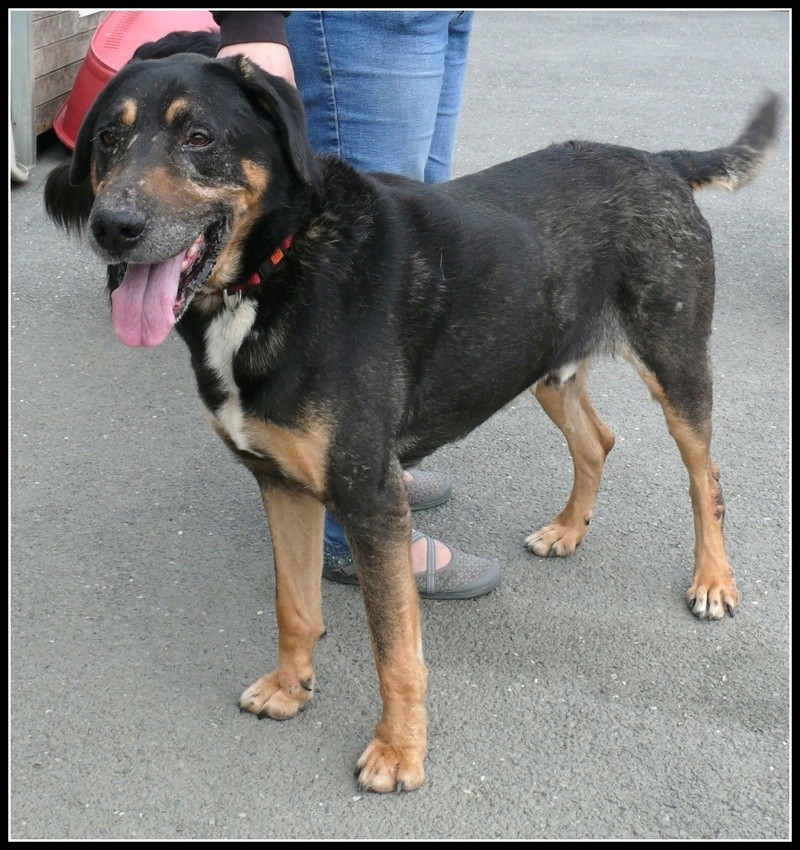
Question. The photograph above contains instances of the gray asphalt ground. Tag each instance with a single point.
(581, 700)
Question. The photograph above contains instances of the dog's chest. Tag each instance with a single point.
(300, 452)
(224, 337)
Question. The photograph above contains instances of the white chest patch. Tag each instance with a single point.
(224, 338)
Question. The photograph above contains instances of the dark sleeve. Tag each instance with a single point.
(239, 27)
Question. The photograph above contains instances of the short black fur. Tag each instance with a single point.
(404, 315)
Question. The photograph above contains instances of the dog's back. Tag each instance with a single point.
(613, 255)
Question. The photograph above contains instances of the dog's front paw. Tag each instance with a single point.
(710, 600)
(273, 696)
(554, 540)
(384, 768)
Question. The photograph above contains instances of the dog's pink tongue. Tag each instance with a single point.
(141, 306)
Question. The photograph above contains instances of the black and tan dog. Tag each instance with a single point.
(342, 325)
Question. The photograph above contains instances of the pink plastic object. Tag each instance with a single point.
(111, 47)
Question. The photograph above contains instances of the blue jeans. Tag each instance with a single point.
(383, 91)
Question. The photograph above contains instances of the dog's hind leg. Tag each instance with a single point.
(296, 521)
(713, 589)
(589, 440)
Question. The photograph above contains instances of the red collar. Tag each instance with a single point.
(232, 295)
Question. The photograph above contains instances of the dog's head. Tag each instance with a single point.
(188, 170)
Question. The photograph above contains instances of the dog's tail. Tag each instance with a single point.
(736, 165)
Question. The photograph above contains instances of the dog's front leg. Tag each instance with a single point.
(296, 521)
(381, 545)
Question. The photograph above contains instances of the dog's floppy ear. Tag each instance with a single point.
(282, 102)
(68, 193)
(67, 205)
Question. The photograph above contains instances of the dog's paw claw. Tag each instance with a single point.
(267, 697)
(384, 768)
(554, 541)
(712, 601)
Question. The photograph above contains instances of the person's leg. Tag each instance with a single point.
(382, 90)
(439, 166)
(380, 87)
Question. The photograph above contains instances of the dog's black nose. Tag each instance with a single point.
(118, 230)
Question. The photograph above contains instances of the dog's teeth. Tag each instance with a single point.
(192, 252)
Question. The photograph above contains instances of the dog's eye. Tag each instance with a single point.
(197, 139)
(107, 138)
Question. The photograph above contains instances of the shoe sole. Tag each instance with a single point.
(488, 586)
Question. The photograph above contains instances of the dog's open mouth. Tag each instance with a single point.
(197, 265)
(152, 297)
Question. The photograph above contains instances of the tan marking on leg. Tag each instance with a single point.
(178, 109)
(394, 759)
(296, 521)
(589, 440)
(713, 589)
(381, 546)
(301, 453)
